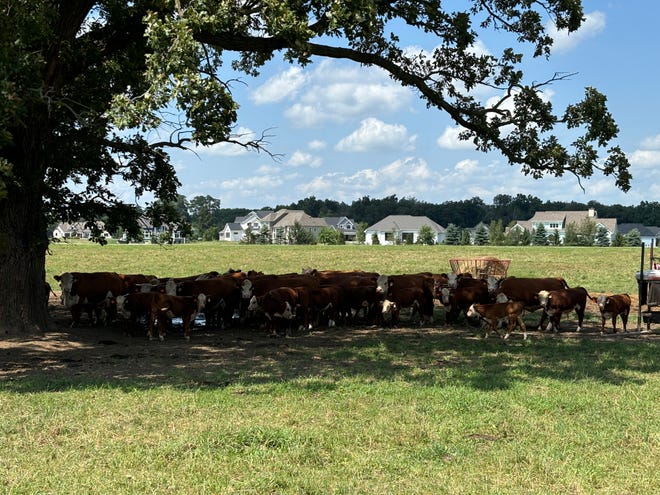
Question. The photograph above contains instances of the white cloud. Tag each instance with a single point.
(645, 158)
(317, 145)
(652, 142)
(280, 87)
(336, 93)
(374, 134)
(302, 159)
(449, 139)
(592, 26)
(466, 166)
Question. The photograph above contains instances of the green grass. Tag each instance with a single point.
(416, 412)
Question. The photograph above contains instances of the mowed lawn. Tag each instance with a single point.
(343, 411)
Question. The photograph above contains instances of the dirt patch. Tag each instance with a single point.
(108, 354)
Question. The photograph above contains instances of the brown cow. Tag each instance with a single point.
(222, 302)
(613, 306)
(493, 313)
(165, 307)
(361, 303)
(460, 299)
(418, 299)
(556, 302)
(90, 291)
(135, 307)
(260, 284)
(278, 307)
(526, 290)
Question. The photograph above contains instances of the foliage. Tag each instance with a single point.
(328, 235)
(602, 237)
(89, 86)
(203, 212)
(633, 238)
(211, 234)
(360, 235)
(465, 237)
(374, 239)
(496, 233)
(426, 236)
(481, 236)
(554, 239)
(540, 236)
(619, 240)
(452, 235)
(299, 235)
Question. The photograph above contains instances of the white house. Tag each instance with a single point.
(236, 231)
(559, 220)
(396, 229)
(77, 230)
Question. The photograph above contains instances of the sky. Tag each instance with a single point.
(342, 131)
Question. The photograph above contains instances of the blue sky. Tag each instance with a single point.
(345, 131)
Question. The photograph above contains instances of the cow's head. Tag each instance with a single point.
(471, 312)
(121, 306)
(67, 281)
(452, 280)
(382, 284)
(389, 307)
(544, 298)
(445, 293)
(492, 283)
(602, 302)
(170, 287)
(246, 289)
(201, 302)
(502, 298)
(254, 304)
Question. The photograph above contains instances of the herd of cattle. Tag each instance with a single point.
(285, 302)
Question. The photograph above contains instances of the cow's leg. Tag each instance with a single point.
(521, 324)
(624, 320)
(579, 310)
(602, 324)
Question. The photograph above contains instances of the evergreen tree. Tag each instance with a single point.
(602, 237)
(481, 237)
(540, 236)
(571, 235)
(300, 235)
(360, 235)
(453, 235)
(619, 240)
(633, 238)
(554, 239)
(466, 240)
(496, 233)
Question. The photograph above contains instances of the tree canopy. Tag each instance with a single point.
(95, 93)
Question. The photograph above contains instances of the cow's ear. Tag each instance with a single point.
(57, 277)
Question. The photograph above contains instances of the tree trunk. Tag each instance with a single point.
(23, 239)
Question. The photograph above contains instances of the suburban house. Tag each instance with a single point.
(648, 235)
(559, 220)
(402, 229)
(281, 222)
(153, 234)
(345, 225)
(237, 230)
(77, 230)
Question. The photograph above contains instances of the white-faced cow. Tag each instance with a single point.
(613, 306)
(557, 302)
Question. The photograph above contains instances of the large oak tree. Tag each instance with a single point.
(85, 84)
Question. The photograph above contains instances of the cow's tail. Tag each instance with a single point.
(564, 283)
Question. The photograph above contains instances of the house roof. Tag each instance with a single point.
(335, 221)
(233, 226)
(644, 230)
(287, 218)
(405, 222)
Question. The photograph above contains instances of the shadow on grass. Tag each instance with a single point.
(436, 356)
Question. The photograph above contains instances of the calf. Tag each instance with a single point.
(613, 306)
(556, 302)
(493, 313)
(526, 290)
(135, 307)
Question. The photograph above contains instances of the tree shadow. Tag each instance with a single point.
(84, 358)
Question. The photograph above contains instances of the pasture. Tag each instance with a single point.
(344, 410)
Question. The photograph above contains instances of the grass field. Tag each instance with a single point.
(339, 411)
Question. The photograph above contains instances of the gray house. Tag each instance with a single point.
(402, 229)
(647, 234)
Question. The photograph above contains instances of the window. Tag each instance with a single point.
(554, 226)
(389, 236)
